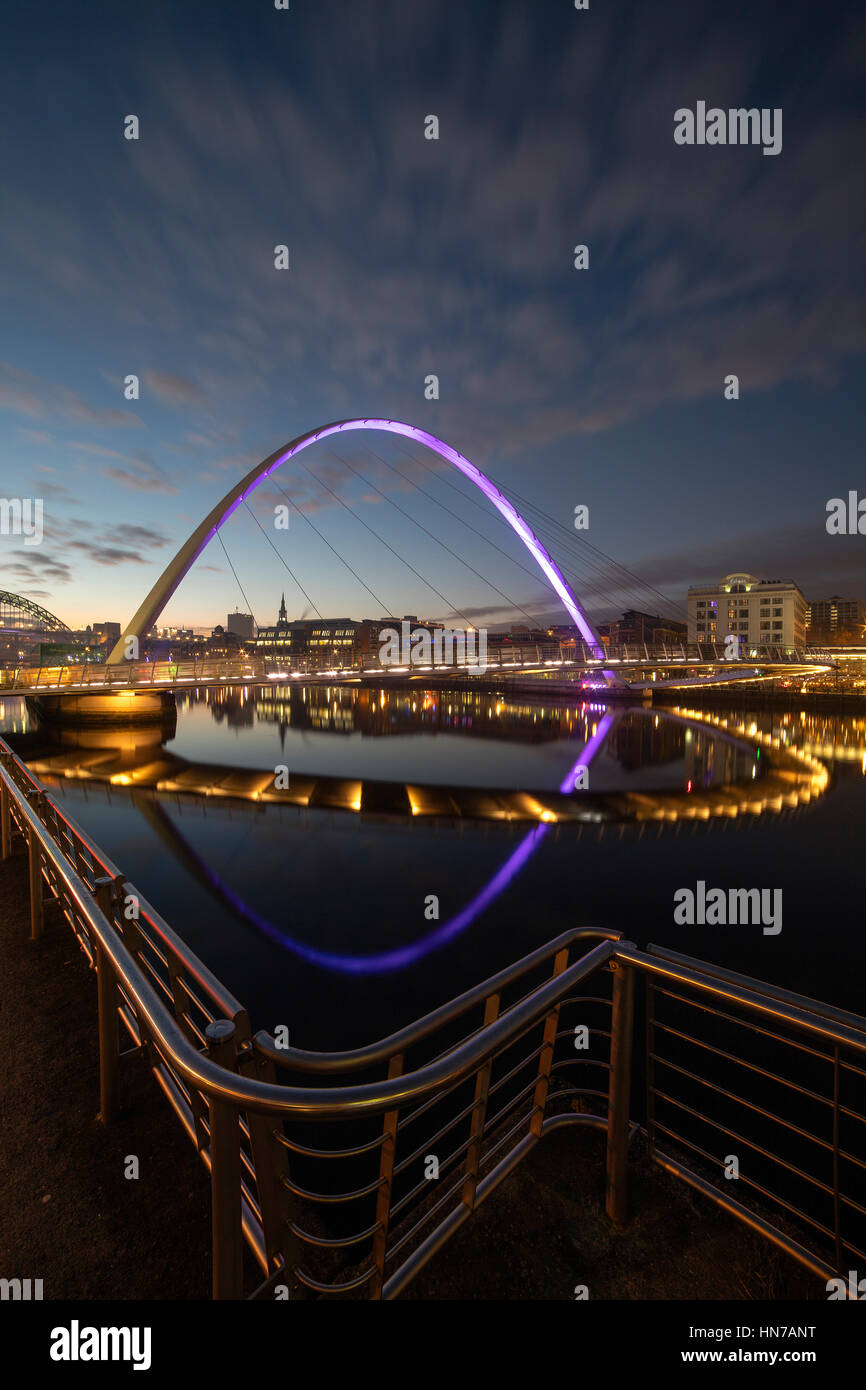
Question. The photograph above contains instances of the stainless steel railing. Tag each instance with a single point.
(141, 675)
(422, 1126)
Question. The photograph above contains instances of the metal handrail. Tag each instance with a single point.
(404, 1038)
(760, 1000)
(255, 668)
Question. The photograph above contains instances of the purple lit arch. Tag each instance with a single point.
(189, 552)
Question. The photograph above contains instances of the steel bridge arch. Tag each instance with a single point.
(49, 622)
(189, 552)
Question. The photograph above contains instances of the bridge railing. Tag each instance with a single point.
(423, 1126)
(138, 674)
(570, 658)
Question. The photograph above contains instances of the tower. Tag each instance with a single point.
(283, 617)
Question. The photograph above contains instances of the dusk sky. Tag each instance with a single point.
(411, 256)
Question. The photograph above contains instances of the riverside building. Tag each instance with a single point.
(765, 612)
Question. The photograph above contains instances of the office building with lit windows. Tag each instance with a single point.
(830, 618)
(766, 612)
(317, 643)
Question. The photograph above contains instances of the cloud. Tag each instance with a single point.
(804, 552)
(173, 389)
(141, 478)
(39, 567)
(109, 555)
(140, 473)
(27, 394)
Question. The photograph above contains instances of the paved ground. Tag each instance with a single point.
(70, 1217)
(67, 1213)
(543, 1234)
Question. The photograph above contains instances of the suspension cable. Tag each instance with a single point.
(387, 545)
(235, 573)
(279, 556)
(383, 606)
(510, 601)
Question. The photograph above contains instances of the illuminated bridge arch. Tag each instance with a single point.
(190, 551)
(19, 614)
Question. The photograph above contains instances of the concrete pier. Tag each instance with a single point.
(122, 707)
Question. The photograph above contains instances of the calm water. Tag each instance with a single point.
(316, 919)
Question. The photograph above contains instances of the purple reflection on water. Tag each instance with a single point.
(409, 955)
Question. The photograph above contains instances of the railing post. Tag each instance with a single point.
(649, 1053)
(5, 822)
(479, 1112)
(545, 1057)
(34, 854)
(225, 1176)
(622, 1023)
(386, 1174)
(107, 1002)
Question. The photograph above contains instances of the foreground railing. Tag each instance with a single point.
(423, 1125)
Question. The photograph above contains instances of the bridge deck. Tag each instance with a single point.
(695, 665)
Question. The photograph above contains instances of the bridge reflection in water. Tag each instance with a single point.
(722, 775)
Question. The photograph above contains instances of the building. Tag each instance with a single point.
(284, 639)
(318, 643)
(106, 632)
(768, 612)
(223, 644)
(242, 624)
(335, 642)
(829, 619)
(645, 629)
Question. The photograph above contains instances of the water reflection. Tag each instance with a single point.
(621, 764)
(412, 738)
(312, 910)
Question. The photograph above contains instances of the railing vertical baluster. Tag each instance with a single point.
(545, 1060)
(622, 1023)
(479, 1112)
(5, 822)
(271, 1164)
(386, 1173)
(225, 1176)
(836, 1226)
(107, 1004)
(649, 1050)
(34, 854)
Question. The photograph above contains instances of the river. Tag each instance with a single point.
(344, 926)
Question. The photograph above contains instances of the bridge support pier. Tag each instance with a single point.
(122, 707)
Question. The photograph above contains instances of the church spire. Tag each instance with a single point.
(284, 617)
